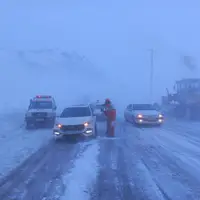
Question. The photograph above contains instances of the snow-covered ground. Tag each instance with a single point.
(80, 51)
(80, 180)
(17, 144)
(26, 74)
(144, 163)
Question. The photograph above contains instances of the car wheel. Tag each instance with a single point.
(135, 124)
(159, 125)
(95, 131)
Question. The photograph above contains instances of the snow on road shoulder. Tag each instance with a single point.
(82, 177)
(9, 122)
(14, 150)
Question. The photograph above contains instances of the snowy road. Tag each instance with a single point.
(139, 163)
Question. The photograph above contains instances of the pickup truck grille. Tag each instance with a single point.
(79, 127)
(39, 114)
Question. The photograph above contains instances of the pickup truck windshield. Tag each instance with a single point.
(40, 105)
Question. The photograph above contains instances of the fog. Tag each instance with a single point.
(113, 36)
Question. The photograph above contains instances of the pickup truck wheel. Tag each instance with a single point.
(28, 125)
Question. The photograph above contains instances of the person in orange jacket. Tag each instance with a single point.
(110, 113)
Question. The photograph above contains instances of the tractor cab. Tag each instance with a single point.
(188, 85)
(185, 101)
(188, 91)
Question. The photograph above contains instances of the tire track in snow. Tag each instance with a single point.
(21, 147)
(37, 176)
(144, 186)
(192, 136)
(116, 179)
(177, 174)
(21, 173)
(126, 188)
(159, 166)
(47, 180)
(168, 170)
(105, 187)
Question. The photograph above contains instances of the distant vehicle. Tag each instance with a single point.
(141, 114)
(41, 110)
(98, 111)
(76, 120)
(184, 102)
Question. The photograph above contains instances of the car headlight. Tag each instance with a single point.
(59, 125)
(140, 116)
(160, 116)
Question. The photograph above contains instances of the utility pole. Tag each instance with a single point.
(151, 74)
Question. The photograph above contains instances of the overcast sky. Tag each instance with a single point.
(114, 35)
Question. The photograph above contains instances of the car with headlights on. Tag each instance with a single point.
(143, 114)
(77, 120)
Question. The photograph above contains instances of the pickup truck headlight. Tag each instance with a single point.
(88, 123)
(59, 125)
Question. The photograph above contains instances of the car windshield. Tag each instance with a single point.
(143, 107)
(76, 112)
(40, 105)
